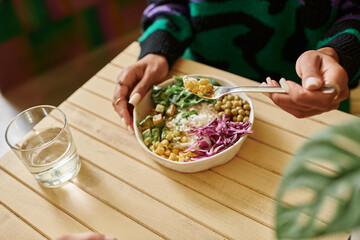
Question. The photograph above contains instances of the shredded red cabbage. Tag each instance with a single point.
(217, 136)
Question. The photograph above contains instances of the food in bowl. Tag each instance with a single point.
(183, 127)
(200, 87)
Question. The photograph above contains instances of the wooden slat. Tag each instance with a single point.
(108, 114)
(169, 192)
(272, 136)
(212, 185)
(109, 72)
(121, 192)
(94, 85)
(32, 208)
(71, 199)
(12, 227)
(162, 219)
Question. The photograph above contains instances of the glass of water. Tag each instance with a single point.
(40, 136)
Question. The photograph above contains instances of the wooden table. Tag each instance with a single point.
(121, 192)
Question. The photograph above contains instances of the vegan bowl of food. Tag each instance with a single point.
(187, 133)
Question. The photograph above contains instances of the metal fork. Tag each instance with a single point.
(219, 91)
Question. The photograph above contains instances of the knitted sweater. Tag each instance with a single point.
(254, 38)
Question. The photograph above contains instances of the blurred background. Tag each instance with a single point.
(49, 48)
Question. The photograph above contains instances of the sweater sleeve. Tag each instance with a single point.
(344, 37)
(166, 29)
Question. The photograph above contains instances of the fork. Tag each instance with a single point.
(219, 91)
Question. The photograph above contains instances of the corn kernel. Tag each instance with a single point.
(208, 88)
(176, 151)
(167, 152)
(190, 154)
(203, 81)
(165, 142)
(173, 157)
(176, 133)
(160, 151)
(184, 139)
(182, 158)
(169, 137)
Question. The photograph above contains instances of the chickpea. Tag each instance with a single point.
(237, 98)
(239, 118)
(220, 114)
(234, 111)
(228, 105)
(247, 112)
(234, 118)
(227, 112)
(246, 107)
(236, 103)
(224, 100)
(217, 106)
(245, 119)
(241, 112)
(230, 97)
(223, 107)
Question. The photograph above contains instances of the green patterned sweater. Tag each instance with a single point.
(256, 38)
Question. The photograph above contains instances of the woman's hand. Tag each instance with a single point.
(85, 236)
(316, 69)
(133, 83)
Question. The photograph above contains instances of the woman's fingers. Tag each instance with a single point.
(133, 83)
(301, 102)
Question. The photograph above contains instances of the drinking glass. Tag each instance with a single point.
(40, 136)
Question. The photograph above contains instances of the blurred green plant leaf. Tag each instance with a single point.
(319, 193)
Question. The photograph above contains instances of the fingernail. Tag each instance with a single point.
(123, 122)
(263, 84)
(268, 80)
(130, 130)
(284, 85)
(312, 82)
(134, 100)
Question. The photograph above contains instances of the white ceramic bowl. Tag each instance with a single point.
(144, 107)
